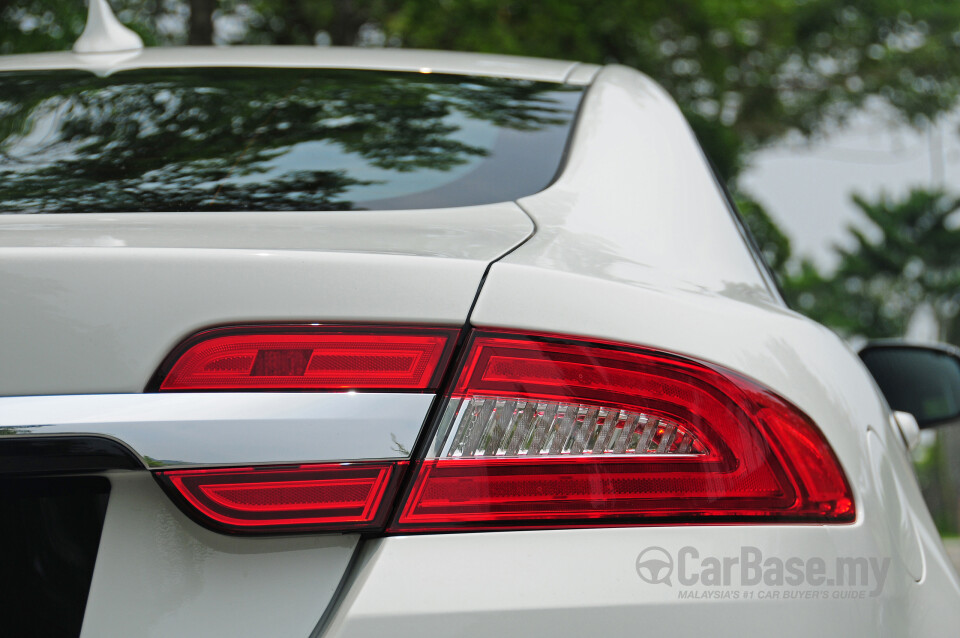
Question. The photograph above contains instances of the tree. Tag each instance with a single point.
(28, 26)
(879, 283)
(774, 245)
(200, 29)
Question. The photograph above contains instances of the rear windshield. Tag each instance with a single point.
(242, 139)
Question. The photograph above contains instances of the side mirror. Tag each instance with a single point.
(923, 380)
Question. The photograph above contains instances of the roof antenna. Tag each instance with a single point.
(103, 33)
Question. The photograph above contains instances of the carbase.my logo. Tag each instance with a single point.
(654, 565)
(862, 575)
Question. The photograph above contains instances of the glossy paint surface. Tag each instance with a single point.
(477, 233)
(583, 582)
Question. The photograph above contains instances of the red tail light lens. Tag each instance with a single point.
(545, 432)
(310, 358)
(538, 432)
(331, 496)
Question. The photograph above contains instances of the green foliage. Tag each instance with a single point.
(28, 26)
(939, 491)
(774, 245)
(879, 283)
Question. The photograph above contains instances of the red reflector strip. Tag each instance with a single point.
(342, 496)
(555, 490)
(311, 358)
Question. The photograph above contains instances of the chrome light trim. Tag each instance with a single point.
(181, 430)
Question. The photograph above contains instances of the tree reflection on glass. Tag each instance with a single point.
(264, 139)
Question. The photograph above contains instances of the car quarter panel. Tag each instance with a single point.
(585, 583)
(636, 201)
(635, 245)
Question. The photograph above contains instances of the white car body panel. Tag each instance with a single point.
(474, 233)
(521, 583)
(635, 203)
(633, 244)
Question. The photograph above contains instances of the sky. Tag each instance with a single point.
(806, 185)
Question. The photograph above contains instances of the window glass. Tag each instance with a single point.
(257, 139)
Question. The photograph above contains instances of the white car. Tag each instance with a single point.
(326, 342)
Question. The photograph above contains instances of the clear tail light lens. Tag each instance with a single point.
(329, 496)
(509, 427)
(546, 432)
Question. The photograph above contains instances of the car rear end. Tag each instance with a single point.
(448, 347)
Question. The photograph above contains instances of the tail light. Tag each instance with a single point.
(537, 431)
(330, 496)
(309, 358)
(544, 432)
(349, 496)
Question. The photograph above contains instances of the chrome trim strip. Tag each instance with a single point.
(175, 430)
